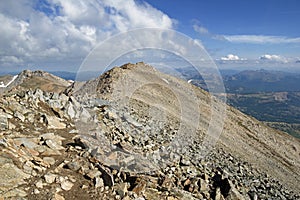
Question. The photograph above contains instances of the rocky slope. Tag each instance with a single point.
(134, 133)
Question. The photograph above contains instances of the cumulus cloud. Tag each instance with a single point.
(275, 58)
(231, 57)
(136, 15)
(50, 31)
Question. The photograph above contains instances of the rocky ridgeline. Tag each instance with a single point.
(36, 79)
(54, 147)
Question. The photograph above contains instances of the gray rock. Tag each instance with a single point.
(66, 185)
(49, 160)
(74, 131)
(52, 136)
(74, 165)
(64, 98)
(39, 184)
(31, 117)
(93, 173)
(54, 123)
(39, 94)
(53, 145)
(20, 116)
(36, 191)
(55, 104)
(71, 111)
(3, 121)
(31, 143)
(57, 197)
(99, 182)
(50, 178)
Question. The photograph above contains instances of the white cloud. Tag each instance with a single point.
(43, 33)
(252, 39)
(275, 58)
(130, 14)
(231, 57)
(200, 29)
(204, 31)
(9, 59)
(263, 61)
(260, 39)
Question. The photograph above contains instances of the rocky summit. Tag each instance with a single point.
(135, 133)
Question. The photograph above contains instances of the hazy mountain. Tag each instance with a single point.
(262, 81)
(258, 92)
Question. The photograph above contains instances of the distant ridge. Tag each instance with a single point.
(36, 79)
(254, 81)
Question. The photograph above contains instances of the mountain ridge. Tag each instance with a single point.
(33, 79)
(140, 134)
(229, 139)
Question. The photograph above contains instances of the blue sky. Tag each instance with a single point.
(250, 30)
(267, 17)
(58, 34)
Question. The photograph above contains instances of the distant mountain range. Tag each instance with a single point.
(247, 82)
(270, 96)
